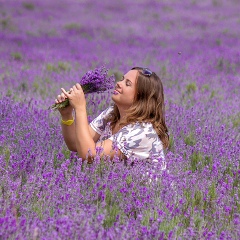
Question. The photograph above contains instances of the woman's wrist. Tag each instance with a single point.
(67, 122)
(66, 117)
(80, 109)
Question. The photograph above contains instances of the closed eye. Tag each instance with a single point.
(128, 83)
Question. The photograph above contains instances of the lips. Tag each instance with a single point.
(116, 92)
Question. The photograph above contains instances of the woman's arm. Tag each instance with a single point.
(69, 135)
(85, 136)
(69, 131)
(85, 144)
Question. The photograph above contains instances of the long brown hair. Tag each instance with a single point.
(148, 105)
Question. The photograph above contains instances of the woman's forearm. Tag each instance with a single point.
(69, 134)
(85, 144)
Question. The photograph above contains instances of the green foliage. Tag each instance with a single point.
(186, 222)
(16, 56)
(235, 120)
(40, 86)
(112, 209)
(60, 67)
(35, 86)
(220, 64)
(164, 71)
(6, 23)
(72, 26)
(216, 3)
(78, 28)
(146, 218)
(23, 178)
(207, 161)
(25, 67)
(129, 179)
(198, 162)
(56, 161)
(66, 152)
(101, 167)
(28, 5)
(23, 87)
(213, 93)
(38, 209)
(9, 93)
(212, 191)
(195, 158)
(205, 87)
(5, 151)
(51, 68)
(64, 66)
(167, 26)
(190, 139)
(197, 200)
(226, 65)
(198, 222)
(218, 42)
(171, 146)
(188, 197)
(51, 213)
(167, 226)
(188, 93)
(191, 88)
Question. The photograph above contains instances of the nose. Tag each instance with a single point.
(118, 85)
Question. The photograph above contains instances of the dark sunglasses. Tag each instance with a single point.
(144, 71)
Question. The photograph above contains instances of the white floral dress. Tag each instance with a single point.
(138, 140)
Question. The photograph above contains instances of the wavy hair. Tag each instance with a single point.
(148, 106)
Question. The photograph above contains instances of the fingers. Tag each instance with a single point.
(78, 86)
(65, 92)
(60, 98)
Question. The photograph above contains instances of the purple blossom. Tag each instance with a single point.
(48, 192)
(93, 81)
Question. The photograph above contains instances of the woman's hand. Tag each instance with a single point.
(76, 97)
(66, 112)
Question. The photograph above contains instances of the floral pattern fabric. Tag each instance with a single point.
(138, 140)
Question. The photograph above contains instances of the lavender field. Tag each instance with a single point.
(47, 192)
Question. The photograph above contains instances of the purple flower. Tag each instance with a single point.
(96, 80)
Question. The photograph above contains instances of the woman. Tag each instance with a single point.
(134, 127)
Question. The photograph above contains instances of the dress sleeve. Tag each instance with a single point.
(138, 140)
(99, 123)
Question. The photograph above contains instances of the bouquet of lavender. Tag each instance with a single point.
(93, 81)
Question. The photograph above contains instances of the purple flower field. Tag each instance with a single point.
(47, 192)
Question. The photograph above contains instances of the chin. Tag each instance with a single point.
(114, 98)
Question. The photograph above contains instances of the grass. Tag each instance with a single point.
(191, 88)
(190, 139)
(59, 67)
(16, 56)
(28, 5)
(5, 151)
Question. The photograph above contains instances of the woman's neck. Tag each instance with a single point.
(122, 113)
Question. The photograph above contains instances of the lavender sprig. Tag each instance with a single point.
(93, 81)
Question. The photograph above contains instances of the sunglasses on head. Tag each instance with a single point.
(144, 71)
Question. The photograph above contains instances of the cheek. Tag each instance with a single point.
(133, 94)
(130, 97)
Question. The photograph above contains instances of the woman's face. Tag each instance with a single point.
(125, 89)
